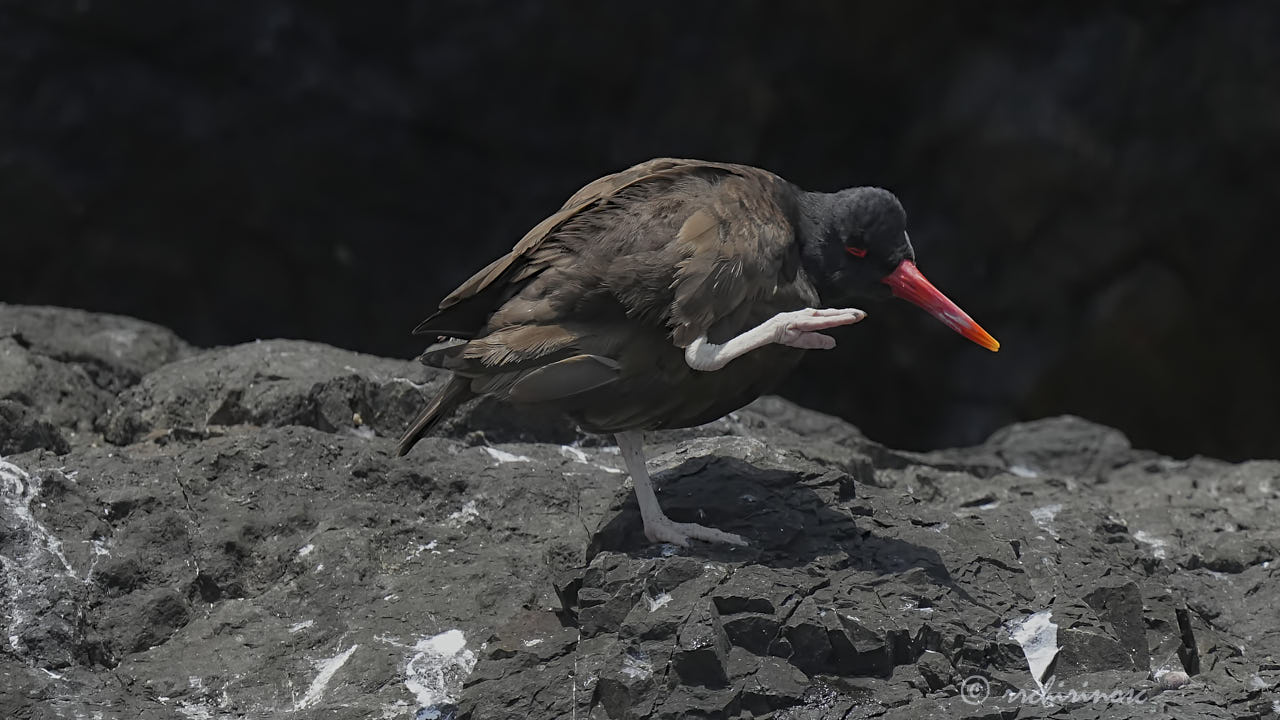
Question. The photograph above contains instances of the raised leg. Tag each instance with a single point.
(795, 329)
(657, 526)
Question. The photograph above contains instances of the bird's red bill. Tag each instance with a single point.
(908, 283)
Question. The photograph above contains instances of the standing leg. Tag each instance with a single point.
(657, 526)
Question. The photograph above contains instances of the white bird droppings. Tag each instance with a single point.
(1157, 544)
(503, 456)
(578, 456)
(1038, 636)
(1043, 516)
(468, 512)
(439, 665)
(655, 603)
(328, 668)
(637, 667)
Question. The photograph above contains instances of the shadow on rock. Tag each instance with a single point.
(789, 518)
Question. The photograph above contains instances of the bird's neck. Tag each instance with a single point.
(817, 217)
(820, 246)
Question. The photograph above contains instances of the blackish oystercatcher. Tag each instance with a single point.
(668, 295)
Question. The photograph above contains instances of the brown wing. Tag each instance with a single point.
(464, 311)
(740, 263)
(595, 302)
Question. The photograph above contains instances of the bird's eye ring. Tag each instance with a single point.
(856, 252)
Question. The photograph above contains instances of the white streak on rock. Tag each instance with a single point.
(578, 456)
(1157, 544)
(502, 456)
(1038, 636)
(327, 667)
(36, 556)
(17, 491)
(194, 711)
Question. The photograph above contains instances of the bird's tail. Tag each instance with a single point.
(456, 392)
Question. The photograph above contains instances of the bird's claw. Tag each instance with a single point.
(797, 329)
(678, 533)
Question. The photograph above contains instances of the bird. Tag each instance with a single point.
(668, 295)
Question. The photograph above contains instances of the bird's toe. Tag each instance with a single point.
(804, 322)
(678, 533)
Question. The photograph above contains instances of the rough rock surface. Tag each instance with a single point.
(226, 533)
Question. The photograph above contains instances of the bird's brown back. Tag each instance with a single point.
(591, 310)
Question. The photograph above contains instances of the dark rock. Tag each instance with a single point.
(755, 632)
(1121, 607)
(68, 365)
(1233, 551)
(286, 382)
(135, 624)
(285, 563)
(756, 589)
(809, 639)
(1089, 650)
(859, 650)
(21, 430)
(773, 685)
(936, 671)
(114, 351)
(1067, 446)
(702, 649)
(272, 384)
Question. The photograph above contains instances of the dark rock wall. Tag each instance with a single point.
(1095, 184)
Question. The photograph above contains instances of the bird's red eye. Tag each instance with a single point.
(856, 252)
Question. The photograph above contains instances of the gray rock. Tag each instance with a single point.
(21, 429)
(114, 350)
(250, 550)
(68, 365)
(278, 383)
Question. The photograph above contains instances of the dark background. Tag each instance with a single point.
(1096, 185)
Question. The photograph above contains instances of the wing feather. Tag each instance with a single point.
(454, 319)
(742, 263)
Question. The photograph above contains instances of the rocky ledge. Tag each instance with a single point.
(226, 533)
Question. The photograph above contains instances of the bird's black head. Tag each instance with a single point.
(851, 241)
(854, 247)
